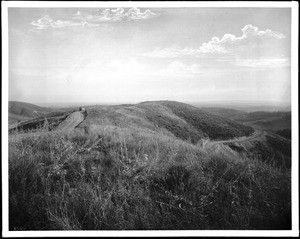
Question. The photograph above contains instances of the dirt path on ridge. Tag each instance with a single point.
(256, 134)
(71, 121)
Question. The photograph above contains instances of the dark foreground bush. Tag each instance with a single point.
(102, 182)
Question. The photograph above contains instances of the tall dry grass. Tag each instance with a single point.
(115, 178)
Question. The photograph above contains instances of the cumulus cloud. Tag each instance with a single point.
(120, 14)
(252, 43)
(80, 19)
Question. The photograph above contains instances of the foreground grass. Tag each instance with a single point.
(117, 179)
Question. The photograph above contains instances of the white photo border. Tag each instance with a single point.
(157, 4)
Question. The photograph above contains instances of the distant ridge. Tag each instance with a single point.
(19, 111)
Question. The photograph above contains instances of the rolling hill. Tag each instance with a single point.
(19, 111)
(160, 165)
(274, 122)
(184, 121)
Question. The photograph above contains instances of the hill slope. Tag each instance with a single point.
(19, 111)
(173, 118)
(278, 122)
(125, 167)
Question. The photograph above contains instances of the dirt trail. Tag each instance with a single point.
(219, 146)
(210, 144)
(71, 121)
(256, 134)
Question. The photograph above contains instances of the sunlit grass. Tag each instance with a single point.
(112, 178)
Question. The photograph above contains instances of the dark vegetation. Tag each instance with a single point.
(38, 123)
(50, 121)
(264, 123)
(121, 173)
(281, 145)
(286, 133)
(268, 121)
(24, 117)
(275, 151)
(258, 115)
(274, 122)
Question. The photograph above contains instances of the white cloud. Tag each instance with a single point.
(80, 19)
(253, 43)
(120, 14)
(136, 14)
(250, 30)
(47, 22)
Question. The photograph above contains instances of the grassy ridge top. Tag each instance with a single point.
(181, 120)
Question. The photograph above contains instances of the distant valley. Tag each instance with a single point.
(278, 122)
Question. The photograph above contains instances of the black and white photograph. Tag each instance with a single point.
(150, 118)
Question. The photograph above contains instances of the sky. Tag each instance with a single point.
(130, 55)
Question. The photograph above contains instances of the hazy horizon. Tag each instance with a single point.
(249, 106)
(131, 55)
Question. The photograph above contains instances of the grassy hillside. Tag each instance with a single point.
(274, 122)
(19, 111)
(180, 120)
(13, 119)
(278, 122)
(213, 126)
(115, 178)
(138, 166)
